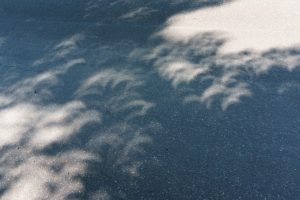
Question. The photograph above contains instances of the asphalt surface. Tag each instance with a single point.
(94, 104)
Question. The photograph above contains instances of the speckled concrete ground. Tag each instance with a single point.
(127, 99)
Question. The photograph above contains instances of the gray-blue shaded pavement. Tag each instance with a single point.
(91, 109)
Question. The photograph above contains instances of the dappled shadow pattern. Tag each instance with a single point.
(93, 110)
(228, 77)
(63, 111)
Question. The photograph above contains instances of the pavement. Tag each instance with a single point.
(127, 99)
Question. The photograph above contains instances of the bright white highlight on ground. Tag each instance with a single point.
(256, 25)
